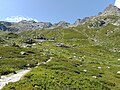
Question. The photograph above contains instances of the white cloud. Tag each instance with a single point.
(117, 3)
(18, 19)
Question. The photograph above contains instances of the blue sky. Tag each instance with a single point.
(51, 10)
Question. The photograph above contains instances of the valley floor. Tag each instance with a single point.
(80, 58)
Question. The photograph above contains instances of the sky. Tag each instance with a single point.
(51, 10)
(117, 3)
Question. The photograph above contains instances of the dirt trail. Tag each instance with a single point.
(12, 78)
(16, 77)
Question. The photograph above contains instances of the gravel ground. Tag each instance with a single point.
(12, 78)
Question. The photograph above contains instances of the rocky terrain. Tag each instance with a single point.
(63, 56)
(32, 25)
(12, 78)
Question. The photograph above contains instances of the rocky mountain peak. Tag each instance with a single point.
(62, 24)
(27, 22)
(111, 10)
(77, 22)
(97, 21)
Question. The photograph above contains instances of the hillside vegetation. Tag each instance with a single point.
(83, 58)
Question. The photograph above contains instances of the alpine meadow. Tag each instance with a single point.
(61, 56)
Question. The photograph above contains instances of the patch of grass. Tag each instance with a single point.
(90, 63)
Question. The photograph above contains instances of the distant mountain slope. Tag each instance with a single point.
(110, 14)
(83, 56)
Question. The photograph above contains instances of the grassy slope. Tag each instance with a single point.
(71, 68)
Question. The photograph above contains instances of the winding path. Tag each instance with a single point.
(12, 78)
(16, 77)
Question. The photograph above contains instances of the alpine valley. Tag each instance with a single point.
(62, 56)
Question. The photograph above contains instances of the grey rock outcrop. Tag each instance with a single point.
(61, 24)
(30, 25)
(82, 21)
(111, 10)
(23, 25)
(6, 23)
(3, 27)
(110, 15)
(77, 22)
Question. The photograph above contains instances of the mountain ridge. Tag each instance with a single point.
(83, 56)
(32, 25)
